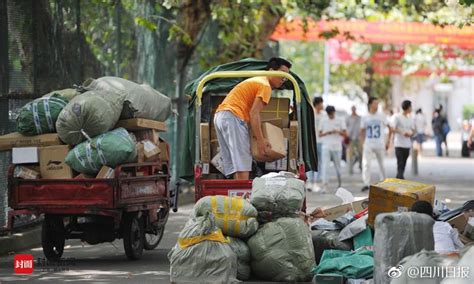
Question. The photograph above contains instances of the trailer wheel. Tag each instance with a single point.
(133, 236)
(52, 237)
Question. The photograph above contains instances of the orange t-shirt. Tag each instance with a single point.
(240, 99)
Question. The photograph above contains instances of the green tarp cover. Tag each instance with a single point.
(235, 216)
(109, 149)
(39, 116)
(282, 250)
(352, 265)
(306, 122)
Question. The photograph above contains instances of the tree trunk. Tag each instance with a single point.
(46, 49)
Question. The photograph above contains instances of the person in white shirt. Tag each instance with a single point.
(446, 238)
(331, 132)
(314, 177)
(372, 137)
(403, 128)
(420, 126)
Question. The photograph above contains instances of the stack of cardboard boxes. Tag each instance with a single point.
(277, 128)
(43, 156)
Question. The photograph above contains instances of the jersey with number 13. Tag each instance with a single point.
(374, 125)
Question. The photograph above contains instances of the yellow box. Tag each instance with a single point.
(393, 195)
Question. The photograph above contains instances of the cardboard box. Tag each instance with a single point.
(25, 155)
(279, 165)
(164, 154)
(458, 222)
(134, 124)
(396, 195)
(25, 173)
(278, 122)
(275, 137)
(337, 211)
(147, 151)
(105, 172)
(52, 162)
(277, 108)
(148, 134)
(293, 147)
(83, 176)
(214, 147)
(205, 143)
(15, 139)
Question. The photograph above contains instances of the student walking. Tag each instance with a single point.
(315, 177)
(331, 130)
(354, 153)
(372, 137)
(403, 128)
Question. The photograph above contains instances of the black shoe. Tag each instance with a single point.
(365, 188)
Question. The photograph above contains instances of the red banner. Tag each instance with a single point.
(379, 32)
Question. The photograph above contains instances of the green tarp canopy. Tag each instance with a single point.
(221, 85)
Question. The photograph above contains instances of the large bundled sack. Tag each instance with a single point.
(88, 115)
(282, 250)
(323, 240)
(140, 101)
(279, 195)
(398, 235)
(109, 149)
(69, 94)
(235, 216)
(400, 274)
(202, 254)
(242, 251)
(39, 116)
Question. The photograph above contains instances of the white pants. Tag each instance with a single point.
(366, 163)
(335, 156)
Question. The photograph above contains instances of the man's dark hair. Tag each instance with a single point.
(406, 104)
(371, 100)
(419, 111)
(330, 109)
(422, 206)
(276, 62)
(317, 101)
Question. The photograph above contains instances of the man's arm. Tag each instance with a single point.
(469, 139)
(256, 125)
(362, 136)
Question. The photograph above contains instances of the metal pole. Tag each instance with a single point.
(80, 74)
(118, 57)
(326, 69)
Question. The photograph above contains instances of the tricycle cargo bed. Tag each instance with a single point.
(127, 189)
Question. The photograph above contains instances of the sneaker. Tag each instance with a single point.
(309, 186)
(315, 188)
(365, 188)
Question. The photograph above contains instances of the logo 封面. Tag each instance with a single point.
(23, 264)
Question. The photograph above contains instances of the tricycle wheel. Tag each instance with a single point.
(133, 236)
(52, 237)
(153, 239)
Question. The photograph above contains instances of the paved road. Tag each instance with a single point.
(453, 177)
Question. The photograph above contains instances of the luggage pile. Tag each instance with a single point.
(377, 240)
(266, 242)
(85, 134)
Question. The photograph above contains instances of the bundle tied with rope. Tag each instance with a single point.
(202, 253)
(109, 149)
(235, 216)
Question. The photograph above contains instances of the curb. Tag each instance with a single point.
(15, 242)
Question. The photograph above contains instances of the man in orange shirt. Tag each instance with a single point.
(241, 107)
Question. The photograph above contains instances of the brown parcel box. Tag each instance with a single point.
(277, 108)
(205, 143)
(15, 139)
(148, 134)
(106, 172)
(293, 147)
(394, 195)
(337, 211)
(52, 164)
(275, 137)
(147, 151)
(134, 124)
(164, 154)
